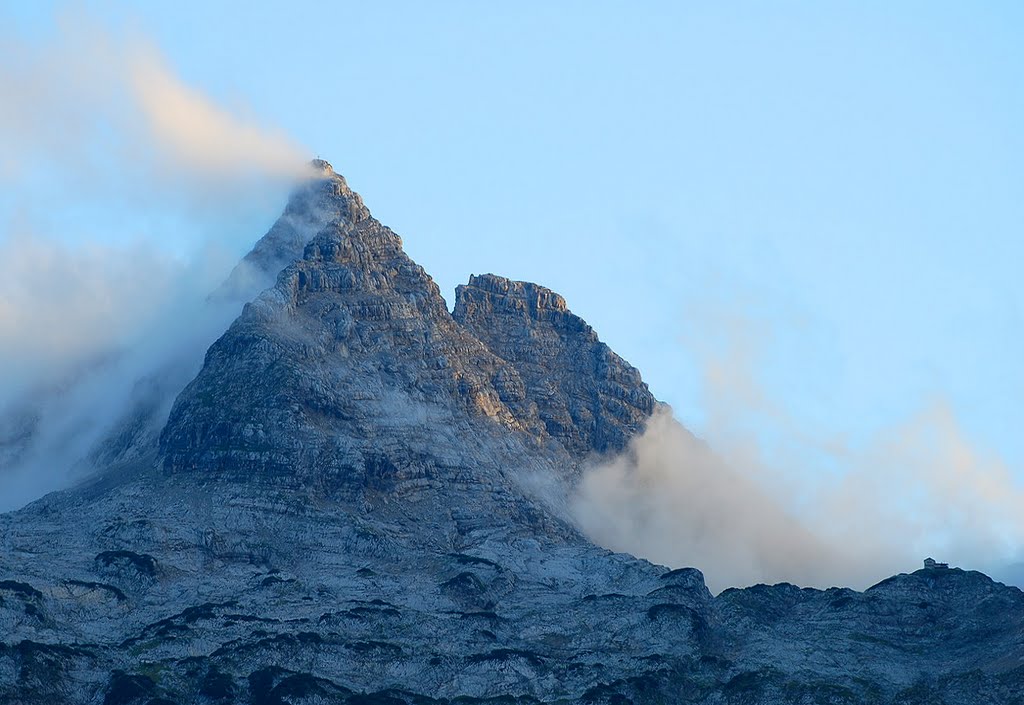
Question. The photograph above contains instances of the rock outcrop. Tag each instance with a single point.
(359, 499)
(589, 398)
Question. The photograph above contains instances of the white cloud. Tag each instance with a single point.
(921, 488)
(97, 130)
(88, 98)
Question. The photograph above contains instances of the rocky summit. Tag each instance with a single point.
(361, 498)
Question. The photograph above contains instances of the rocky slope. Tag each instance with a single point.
(359, 499)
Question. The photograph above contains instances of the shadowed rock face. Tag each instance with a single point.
(360, 499)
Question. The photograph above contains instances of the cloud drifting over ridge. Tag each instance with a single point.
(921, 488)
(122, 189)
(87, 96)
(96, 128)
(57, 304)
(670, 499)
(200, 134)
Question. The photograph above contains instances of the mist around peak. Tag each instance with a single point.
(921, 489)
(129, 196)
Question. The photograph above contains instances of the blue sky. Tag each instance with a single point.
(828, 194)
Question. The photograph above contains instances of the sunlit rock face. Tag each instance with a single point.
(360, 498)
(589, 398)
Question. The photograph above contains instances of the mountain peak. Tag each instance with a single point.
(322, 199)
(321, 166)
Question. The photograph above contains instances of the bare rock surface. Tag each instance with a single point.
(360, 499)
(589, 398)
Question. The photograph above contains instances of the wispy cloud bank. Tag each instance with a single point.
(828, 513)
(670, 499)
(199, 134)
(60, 303)
(87, 99)
(96, 131)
